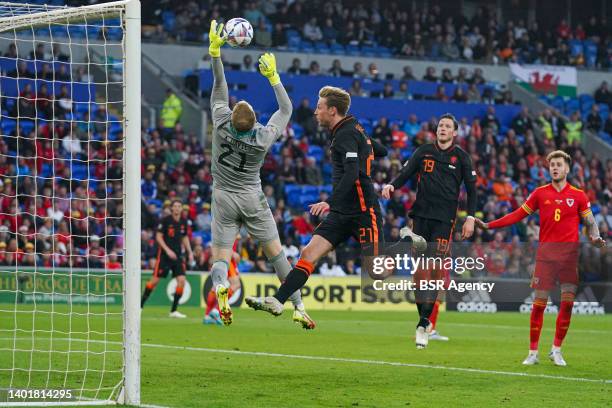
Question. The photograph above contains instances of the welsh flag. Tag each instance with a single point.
(546, 79)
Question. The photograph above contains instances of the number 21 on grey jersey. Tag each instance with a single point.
(237, 158)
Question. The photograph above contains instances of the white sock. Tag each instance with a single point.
(282, 268)
(218, 273)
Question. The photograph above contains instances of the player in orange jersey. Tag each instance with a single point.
(562, 207)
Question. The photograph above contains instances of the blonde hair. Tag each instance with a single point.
(337, 98)
(559, 154)
(243, 117)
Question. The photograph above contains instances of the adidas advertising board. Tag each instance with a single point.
(511, 295)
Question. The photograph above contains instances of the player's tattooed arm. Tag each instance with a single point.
(593, 231)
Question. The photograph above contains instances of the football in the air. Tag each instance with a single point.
(239, 32)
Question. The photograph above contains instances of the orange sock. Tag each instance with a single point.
(295, 280)
(211, 301)
(305, 266)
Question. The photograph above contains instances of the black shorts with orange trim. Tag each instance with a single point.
(365, 227)
(165, 265)
(438, 234)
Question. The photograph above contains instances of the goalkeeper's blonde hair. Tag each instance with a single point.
(243, 117)
(337, 98)
(559, 154)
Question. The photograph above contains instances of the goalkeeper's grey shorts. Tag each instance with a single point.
(230, 211)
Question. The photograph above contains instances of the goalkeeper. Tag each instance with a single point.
(239, 146)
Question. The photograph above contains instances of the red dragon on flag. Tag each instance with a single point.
(545, 84)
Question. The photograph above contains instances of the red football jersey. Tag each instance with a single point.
(560, 211)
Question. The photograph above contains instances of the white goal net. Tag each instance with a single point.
(69, 203)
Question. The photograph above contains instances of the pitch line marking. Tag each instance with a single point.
(354, 360)
(375, 362)
(486, 326)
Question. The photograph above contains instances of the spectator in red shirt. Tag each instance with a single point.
(301, 224)
(113, 263)
(399, 137)
(563, 29)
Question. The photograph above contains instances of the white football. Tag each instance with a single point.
(239, 32)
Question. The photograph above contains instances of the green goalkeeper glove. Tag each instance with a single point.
(267, 67)
(216, 38)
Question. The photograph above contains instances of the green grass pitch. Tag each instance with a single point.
(352, 359)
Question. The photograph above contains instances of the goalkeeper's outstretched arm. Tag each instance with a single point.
(279, 119)
(219, 94)
(219, 98)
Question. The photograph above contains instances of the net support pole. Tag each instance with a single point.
(131, 94)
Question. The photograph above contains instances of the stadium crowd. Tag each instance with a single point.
(509, 166)
(45, 227)
(427, 33)
(66, 221)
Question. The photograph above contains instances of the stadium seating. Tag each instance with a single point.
(582, 104)
(81, 92)
(301, 196)
(243, 85)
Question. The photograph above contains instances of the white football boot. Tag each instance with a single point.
(419, 243)
(422, 336)
(268, 304)
(532, 358)
(556, 357)
(434, 335)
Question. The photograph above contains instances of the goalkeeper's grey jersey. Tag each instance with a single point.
(237, 158)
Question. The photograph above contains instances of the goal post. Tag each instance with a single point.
(131, 297)
(70, 203)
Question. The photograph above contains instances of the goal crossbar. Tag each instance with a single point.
(57, 14)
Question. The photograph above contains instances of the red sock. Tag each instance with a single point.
(536, 321)
(564, 317)
(434, 314)
(211, 301)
